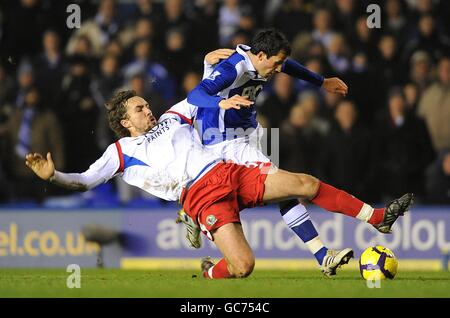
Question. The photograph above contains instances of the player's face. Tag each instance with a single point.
(139, 116)
(270, 66)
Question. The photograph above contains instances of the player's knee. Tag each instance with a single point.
(243, 268)
(309, 185)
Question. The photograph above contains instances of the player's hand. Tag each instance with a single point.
(214, 57)
(235, 102)
(335, 85)
(44, 168)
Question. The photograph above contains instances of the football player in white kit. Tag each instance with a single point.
(167, 159)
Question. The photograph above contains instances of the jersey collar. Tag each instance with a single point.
(251, 71)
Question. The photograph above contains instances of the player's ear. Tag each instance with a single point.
(125, 123)
(261, 55)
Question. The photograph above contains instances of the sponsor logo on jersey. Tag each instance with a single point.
(158, 130)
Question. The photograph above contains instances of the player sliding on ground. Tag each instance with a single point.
(222, 107)
(166, 159)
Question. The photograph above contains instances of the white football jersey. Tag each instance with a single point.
(160, 162)
(165, 159)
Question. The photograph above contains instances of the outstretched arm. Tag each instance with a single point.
(332, 85)
(44, 168)
(99, 172)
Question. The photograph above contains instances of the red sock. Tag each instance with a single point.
(377, 216)
(335, 200)
(220, 270)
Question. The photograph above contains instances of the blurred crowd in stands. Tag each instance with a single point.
(390, 135)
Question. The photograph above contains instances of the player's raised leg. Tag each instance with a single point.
(238, 260)
(283, 185)
(294, 214)
(298, 220)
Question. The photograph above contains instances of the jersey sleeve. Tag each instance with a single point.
(204, 95)
(207, 69)
(102, 170)
(297, 70)
(182, 111)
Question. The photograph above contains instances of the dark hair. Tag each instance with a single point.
(396, 91)
(117, 110)
(271, 42)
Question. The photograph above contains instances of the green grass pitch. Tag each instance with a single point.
(189, 284)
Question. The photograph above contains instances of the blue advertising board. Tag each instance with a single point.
(422, 234)
(53, 238)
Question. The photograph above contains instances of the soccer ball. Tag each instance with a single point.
(378, 262)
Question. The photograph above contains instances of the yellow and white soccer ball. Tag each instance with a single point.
(378, 262)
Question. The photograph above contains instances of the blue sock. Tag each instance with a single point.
(320, 254)
(298, 219)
